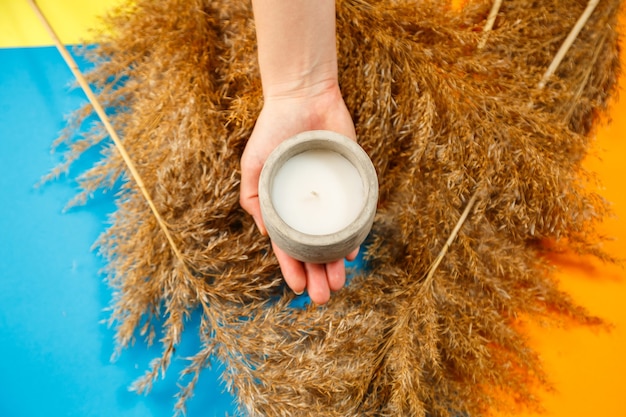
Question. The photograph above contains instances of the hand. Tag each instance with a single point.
(282, 117)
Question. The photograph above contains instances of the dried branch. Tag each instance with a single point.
(426, 327)
(71, 63)
(567, 43)
(433, 268)
(491, 19)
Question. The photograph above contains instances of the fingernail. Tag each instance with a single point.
(298, 293)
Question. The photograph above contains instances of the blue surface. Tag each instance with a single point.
(54, 350)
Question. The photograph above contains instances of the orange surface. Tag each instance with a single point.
(588, 367)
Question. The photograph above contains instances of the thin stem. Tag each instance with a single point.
(71, 63)
(575, 100)
(446, 246)
(571, 37)
(402, 320)
(491, 20)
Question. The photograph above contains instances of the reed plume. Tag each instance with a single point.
(453, 120)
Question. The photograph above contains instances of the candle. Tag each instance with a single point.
(318, 192)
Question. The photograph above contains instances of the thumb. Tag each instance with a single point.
(249, 195)
(255, 212)
(250, 203)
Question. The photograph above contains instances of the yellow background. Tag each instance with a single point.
(587, 367)
(71, 19)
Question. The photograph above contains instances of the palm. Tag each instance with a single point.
(279, 120)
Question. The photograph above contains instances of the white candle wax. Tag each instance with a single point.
(318, 192)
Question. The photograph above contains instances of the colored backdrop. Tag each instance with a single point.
(54, 349)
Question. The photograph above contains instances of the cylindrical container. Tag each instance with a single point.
(318, 193)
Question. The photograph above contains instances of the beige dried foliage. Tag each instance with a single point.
(442, 119)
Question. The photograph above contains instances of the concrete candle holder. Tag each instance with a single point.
(308, 176)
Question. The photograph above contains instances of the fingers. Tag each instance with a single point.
(293, 270)
(336, 274)
(251, 205)
(352, 255)
(318, 279)
(249, 191)
(317, 283)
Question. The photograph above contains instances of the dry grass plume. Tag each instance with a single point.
(447, 115)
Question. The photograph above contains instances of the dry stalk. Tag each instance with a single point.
(455, 231)
(567, 43)
(491, 20)
(413, 333)
(413, 295)
(581, 87)
(174, 322)
(71, 63)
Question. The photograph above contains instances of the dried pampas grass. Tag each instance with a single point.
(479, 159)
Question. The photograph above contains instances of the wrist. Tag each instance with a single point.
(325, 110)
(305, 99)
(296, 41)
(314, 81)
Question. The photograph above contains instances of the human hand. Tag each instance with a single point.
(281, 118)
